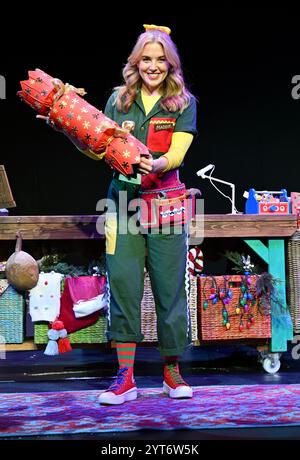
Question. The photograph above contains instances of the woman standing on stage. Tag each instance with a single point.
(155, 101)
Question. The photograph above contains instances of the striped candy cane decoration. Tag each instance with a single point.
(195, 261)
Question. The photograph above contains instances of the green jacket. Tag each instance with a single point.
(155, 129)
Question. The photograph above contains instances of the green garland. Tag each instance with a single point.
(60, 263)
(238, 260)
(266, 284)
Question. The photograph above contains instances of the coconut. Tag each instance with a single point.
(21, 269)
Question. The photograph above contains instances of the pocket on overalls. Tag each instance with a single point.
(160, 134)
(111, 229)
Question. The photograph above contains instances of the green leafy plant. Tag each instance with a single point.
(240, 261)
(61, 263)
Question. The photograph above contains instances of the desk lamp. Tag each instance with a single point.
(202, 174)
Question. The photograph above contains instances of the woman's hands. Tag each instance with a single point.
(146, 164)
(50, 123)
(78, 144)
(149, 165)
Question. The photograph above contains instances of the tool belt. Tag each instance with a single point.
(166, 207)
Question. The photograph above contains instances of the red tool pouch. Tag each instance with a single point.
(166, 207)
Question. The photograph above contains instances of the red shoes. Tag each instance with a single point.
(122, 390)
(174, 385)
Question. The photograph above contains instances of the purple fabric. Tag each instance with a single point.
(232, 406)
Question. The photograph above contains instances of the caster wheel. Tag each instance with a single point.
(271, 366)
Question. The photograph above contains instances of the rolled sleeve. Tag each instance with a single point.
(187, 120)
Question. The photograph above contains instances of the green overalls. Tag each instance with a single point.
(166, 253)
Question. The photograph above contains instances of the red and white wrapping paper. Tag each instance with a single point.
(65, 107)
(38, 91)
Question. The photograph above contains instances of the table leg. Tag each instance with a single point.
(274, 255)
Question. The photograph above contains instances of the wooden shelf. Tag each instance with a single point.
(25, 346)
(52, 227)
(29, 345)
(244, 225)
(92, 226)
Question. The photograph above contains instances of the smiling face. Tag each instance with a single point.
(153, 67)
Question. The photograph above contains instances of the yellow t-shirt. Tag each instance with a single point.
(149, 101)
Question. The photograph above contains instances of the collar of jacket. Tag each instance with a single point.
(155, 109)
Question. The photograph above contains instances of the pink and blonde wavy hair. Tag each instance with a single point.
(175, 94)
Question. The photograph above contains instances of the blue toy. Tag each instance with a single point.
(267, 202)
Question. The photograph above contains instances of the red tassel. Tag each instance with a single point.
(64, 345)
(63, 342)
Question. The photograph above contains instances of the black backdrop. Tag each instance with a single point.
(239, 62)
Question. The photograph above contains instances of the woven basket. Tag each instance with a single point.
(91, 334)
(193, 304)
(211, 319)
(148, 313)
(293, 279)
(11, 316)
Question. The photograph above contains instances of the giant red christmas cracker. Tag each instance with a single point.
(65, 107)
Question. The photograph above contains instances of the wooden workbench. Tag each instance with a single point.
(85, 227)
(251, 228)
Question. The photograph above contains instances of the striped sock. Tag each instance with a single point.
(126, 354)
(171, 360)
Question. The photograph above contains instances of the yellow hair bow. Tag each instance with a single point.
(164, 29)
